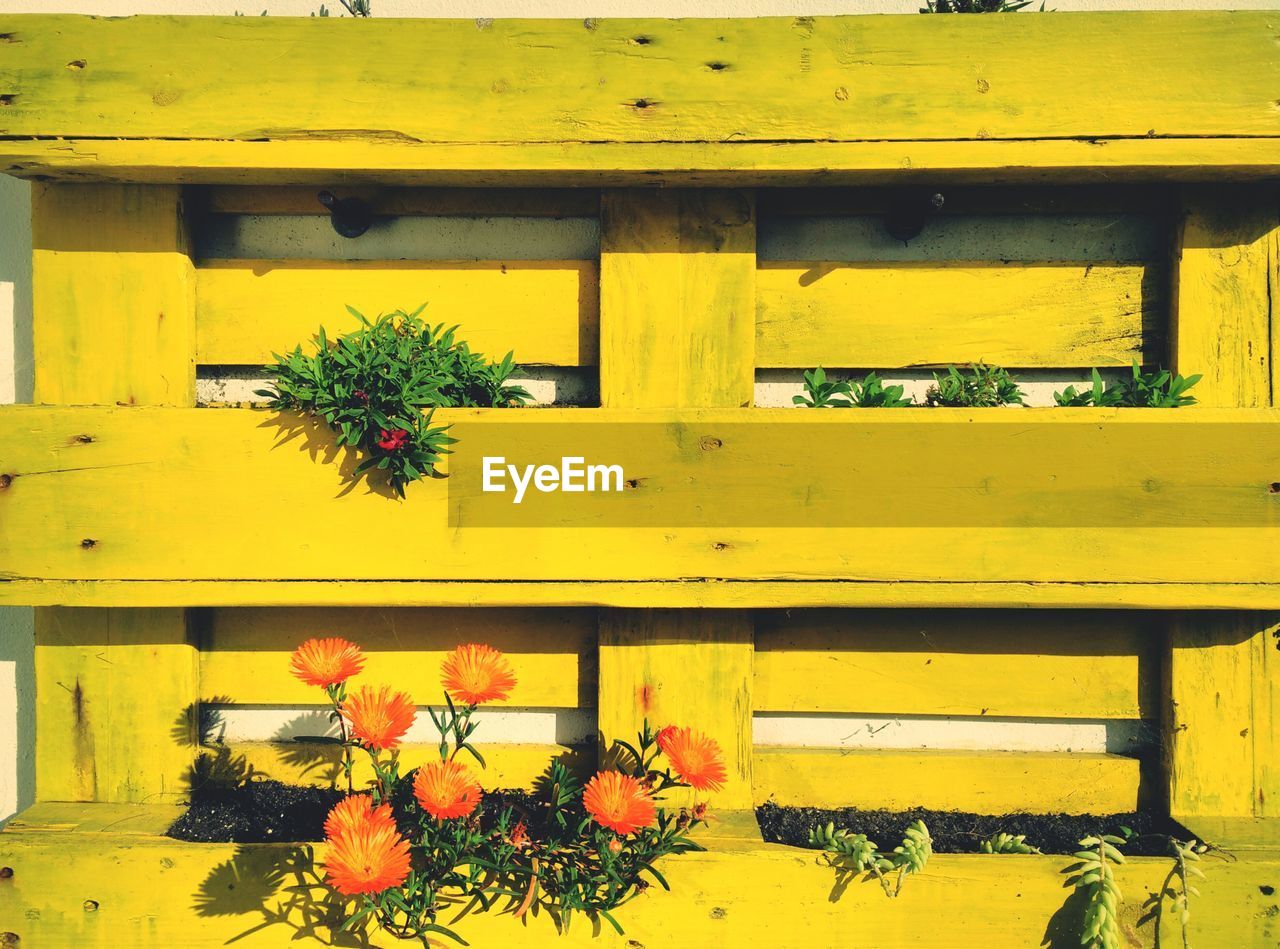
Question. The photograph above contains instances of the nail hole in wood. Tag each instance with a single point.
(5, 481)
(88, 543)
(8, 98)
(717, 67)
(77, 64)
(6, 873)
(1274, 487)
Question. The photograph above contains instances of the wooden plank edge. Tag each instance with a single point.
(166, 892)
(707, 164)
(690, 592)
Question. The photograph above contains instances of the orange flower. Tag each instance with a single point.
(353, 811)
(378, 719)
(446, 789)
(474, 673)
(664, 737)
(619, 802)
(326, 662)
(695, 757)
(367, 856)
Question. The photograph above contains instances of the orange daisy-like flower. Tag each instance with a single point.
(367, 856)
(619, 802)
(474, 673)
(695, 757)
(326, 662)
(446, 789)
(353, 811)
(378, 718)
(664, 737)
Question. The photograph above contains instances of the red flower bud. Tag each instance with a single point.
(615, 847)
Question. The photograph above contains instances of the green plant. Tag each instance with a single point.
(1186, 856)
(870, 393)
(977, 6)
(1007, 843)
(1156, 390)
(1094, 877)
(977, 386)
(419, 843)
(853, 854)
(378, 386)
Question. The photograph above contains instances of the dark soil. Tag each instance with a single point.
(958, 832)
(271, 812)
(257, 811)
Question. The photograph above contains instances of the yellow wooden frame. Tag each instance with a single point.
(93, 109)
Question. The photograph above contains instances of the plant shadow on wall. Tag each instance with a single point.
(409, 855)
(370, 395)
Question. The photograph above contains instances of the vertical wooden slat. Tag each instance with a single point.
(113, 295)
(1224, 680)
(114, 309)
(1222, 305)
(114, 704)
(677, 298)
(677, 329)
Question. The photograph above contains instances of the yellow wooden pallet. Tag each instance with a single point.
(140, 524)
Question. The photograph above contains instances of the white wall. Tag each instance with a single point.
(17, 694)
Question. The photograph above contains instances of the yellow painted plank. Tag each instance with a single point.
(1225, 262)
(677, 298)
(604, 164)
(112, 292)
(205, 895)
(426, 202)
(1224, 700)
(1026, 315)
(700, 80)
(692, 592)
(245, 652)
(983, 782)
(114, 693)
(1039, 663)
(248, 309)
(318, 764)
(690, 668)
(127, 503)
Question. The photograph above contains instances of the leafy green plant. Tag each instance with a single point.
(1094, 876)
(1156, 390)
(378, 386)
(1177, 888)
(1007, 843)
(976, 386)
(853, 854)
(870, 393)
(420, 843)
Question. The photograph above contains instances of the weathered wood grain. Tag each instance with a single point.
(1022, 315)
(234, 893)
(546, 312)
(1035, 663)
(129, 502)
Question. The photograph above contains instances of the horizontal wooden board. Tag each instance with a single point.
(982, 782)
(811, 313)
(546, 312)
(190, 494)
(245, 652)
(616, 80)
(1045, 664)
(198, 895)
(607, 164)
(693, 592)
(312, 763)
(406, 202)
